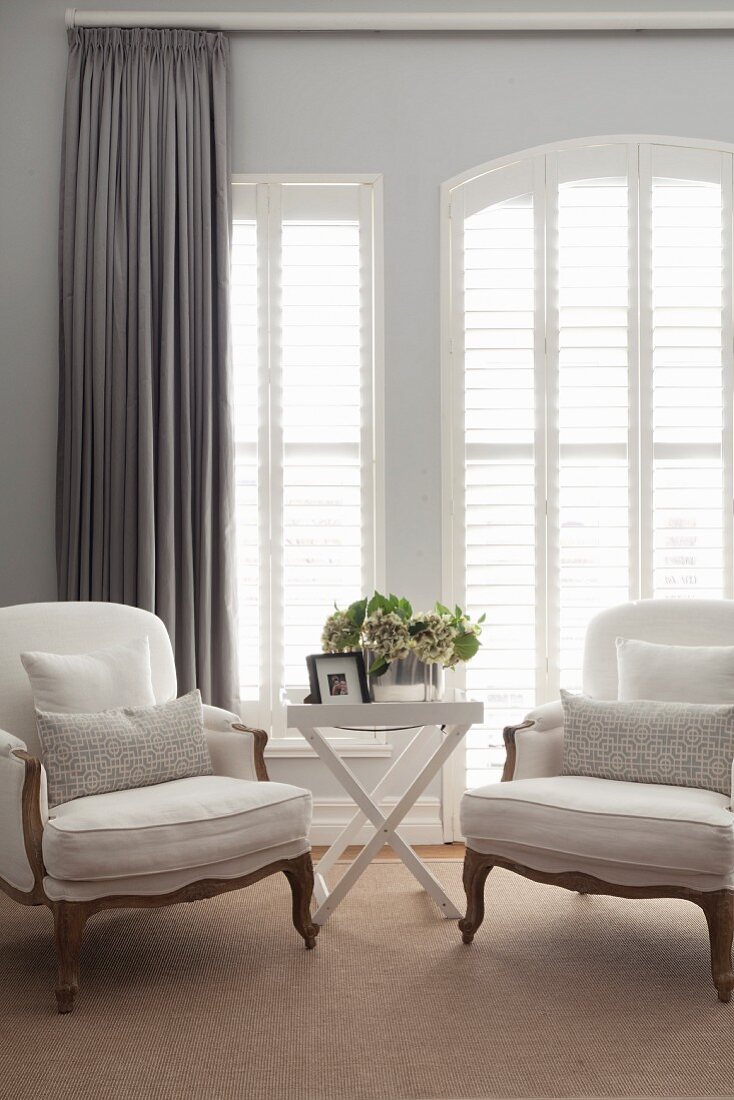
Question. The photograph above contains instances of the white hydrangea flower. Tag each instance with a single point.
(339, 634)
(435, 642)
(386, 634)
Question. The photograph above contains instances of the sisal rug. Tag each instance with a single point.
(559, 996)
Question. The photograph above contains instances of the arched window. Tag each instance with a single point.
(589, 382)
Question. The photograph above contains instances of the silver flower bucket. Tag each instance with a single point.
(406, 681)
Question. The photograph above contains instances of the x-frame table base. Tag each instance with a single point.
(385, 825)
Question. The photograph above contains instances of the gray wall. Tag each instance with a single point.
(418, 109)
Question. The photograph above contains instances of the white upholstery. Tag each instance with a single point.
(165, 883)
(149, 841)
(632, 834)
(607, 828)
(621, 874)
(182, 824)
(14, 865)
(547, 716)
(696, 673)
(538, 752)
(671, 622)
(87, 683)
(10, 744)
(71, 628)
(232, 753)
(215, 718)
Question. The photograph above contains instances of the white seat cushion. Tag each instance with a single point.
(185, 823)
(632, 824)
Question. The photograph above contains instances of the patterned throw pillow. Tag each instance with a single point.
(116, 750)
(641, 741)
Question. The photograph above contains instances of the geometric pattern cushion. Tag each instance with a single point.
(121, 749)
(643, 741)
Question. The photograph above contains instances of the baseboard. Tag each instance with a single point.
(422, 825)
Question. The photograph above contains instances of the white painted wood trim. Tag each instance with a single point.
(385, 826)
(316, 178)
(296, 748)
(432, 21)
(583, 143)
(547, 456)
(727, 345)
(305, 716)
(421, 825)
(269, 712)
(634, 343)
(379, 509)
(646, 469)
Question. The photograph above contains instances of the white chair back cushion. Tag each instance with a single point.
(671, 622)
(71, 628)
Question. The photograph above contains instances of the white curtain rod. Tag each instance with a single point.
(408, 21)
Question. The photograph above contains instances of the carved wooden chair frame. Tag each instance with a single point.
(717, 905)
(70, 917)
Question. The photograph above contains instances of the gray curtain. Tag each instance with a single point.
(145, 475)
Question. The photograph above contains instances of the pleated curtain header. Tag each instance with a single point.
(108, 39)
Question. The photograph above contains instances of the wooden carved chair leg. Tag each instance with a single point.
(69, 920)
(300, 878)
(476, 869)
(719, 909)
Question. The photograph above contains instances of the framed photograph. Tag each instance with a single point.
(337, 678)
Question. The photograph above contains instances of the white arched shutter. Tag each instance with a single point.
(591, 344)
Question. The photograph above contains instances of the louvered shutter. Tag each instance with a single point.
(589, 314)
(498, 452)
(591, 321)
(325, 369)
(305, 440)
(688, 321)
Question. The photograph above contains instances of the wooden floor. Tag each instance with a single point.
(387, 855)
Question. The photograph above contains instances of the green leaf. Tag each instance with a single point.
(481, 618)
(404, 609)
(442, 609)
(466, 646)
(379, 667)
(376, 603)
(357, 611)
(416, 627)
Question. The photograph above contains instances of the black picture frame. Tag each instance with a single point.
(316, 660)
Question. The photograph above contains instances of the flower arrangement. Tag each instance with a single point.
(387, 626)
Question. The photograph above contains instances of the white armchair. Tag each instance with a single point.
(180, 841)
(598, 836)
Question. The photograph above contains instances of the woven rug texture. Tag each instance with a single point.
(559, 996)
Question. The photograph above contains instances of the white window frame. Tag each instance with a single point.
(452, 358)
(270, 711)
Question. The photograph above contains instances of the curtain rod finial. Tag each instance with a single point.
(70, 17)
